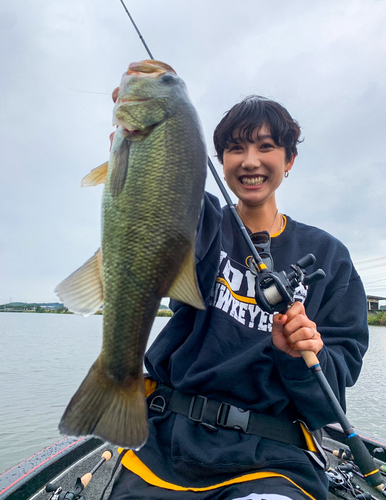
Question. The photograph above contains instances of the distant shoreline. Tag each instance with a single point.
(63, 310)
(377, 319)
(373, 319)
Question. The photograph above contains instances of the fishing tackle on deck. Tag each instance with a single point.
(76, 494)
(342, 482)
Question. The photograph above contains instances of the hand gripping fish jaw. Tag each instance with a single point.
(275, 291)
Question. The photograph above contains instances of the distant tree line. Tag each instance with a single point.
(57, 308)
(54, 307)
(378, 319)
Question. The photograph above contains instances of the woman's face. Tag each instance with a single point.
(253, 171)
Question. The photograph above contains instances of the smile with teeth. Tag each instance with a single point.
(252, 181)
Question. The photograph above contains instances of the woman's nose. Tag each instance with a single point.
(251, 158)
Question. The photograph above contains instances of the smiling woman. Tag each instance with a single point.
(255, 157)
(253, 170)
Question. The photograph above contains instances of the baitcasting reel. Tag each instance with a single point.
(275, 290)
(60, 494)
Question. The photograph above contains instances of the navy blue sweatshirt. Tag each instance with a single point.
(226, 353)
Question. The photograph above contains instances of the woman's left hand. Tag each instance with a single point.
(293, 332)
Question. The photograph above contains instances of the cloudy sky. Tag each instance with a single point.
(324, 60)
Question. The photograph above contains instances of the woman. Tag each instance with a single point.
(230, 386)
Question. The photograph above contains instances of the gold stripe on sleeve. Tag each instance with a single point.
(248, 300)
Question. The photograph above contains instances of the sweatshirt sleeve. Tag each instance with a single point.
(208, 241)
(338, 307)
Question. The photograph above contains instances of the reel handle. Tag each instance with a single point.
(314, 277)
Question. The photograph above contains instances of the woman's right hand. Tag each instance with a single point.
(294, 332)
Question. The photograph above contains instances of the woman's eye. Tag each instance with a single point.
(267, 145)
(235, 147)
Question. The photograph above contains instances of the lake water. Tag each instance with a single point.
(44, 357)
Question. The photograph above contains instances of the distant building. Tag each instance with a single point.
(373, 303)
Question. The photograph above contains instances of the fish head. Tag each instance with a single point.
(148, 94)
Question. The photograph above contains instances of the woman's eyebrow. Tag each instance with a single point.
(263, 137)
(238, 139)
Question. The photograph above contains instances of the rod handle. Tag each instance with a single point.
(107, 455)
(86, 479)
(361, 454)
(310, 358)
(88, 476)
(365, 461)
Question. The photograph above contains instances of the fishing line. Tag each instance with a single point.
(67, 87)
(272, 285)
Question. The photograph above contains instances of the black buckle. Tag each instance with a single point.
(158, 404)
(231, 417)
(195, 414)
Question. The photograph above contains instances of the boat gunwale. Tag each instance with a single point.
(29, 476)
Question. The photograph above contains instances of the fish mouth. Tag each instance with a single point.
(255, 180)
(130, 133)
(128, 129)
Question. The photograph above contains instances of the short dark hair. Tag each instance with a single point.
(252, 113)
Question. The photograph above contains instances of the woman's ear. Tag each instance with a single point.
(290, 164)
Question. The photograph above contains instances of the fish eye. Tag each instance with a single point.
(168, 78)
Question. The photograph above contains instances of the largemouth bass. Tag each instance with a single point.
(154, 183)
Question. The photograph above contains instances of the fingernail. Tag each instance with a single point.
(280, 316)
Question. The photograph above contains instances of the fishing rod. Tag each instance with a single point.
(275, 292)
(58, 493)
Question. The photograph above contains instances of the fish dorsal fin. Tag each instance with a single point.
(185, 287)
(119, 172)
(82, 291)
(97, 176)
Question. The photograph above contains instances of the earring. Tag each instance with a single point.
(286, 174)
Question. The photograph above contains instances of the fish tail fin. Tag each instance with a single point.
(115, 412)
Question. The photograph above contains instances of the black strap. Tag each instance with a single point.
(212, 415)
(116, 465)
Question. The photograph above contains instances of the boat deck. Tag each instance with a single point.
(70, 458)
(98, 482)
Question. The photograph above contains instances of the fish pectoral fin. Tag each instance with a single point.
(97, 176)
(185, 286)
(82, 291)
